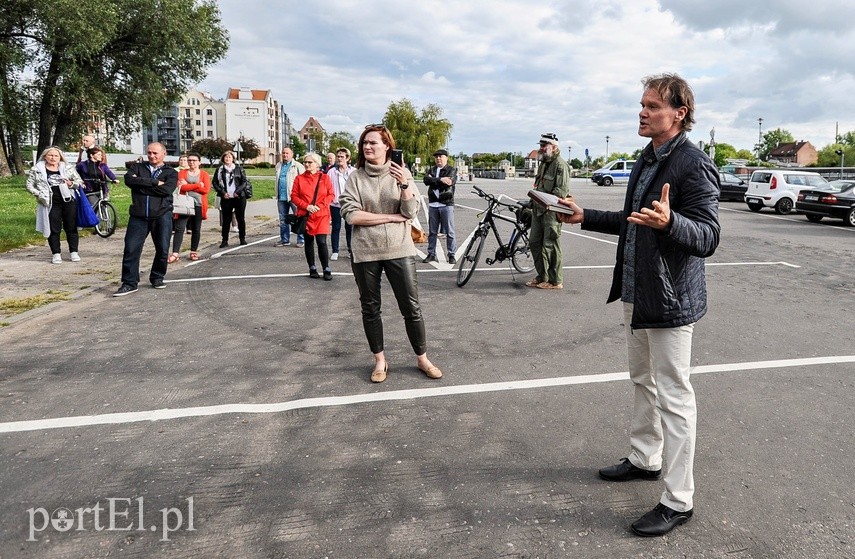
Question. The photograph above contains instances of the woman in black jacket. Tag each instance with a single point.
(233, 189)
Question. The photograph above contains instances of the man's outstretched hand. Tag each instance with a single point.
(659, 217)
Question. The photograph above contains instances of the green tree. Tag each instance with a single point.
(211, 148)
(117, 58)
(576, 163)
(772, 139)
(342, 139)
(298, 147)
(618, 155)
(248, 149)
(723, 152)
(828, 156)
(320, 139)
(418, 133)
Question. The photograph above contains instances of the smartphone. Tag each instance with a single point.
(398, 157)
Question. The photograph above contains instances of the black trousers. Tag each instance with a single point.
(236, 207)
(181, 223)
(63, 216)
(401, 273)
(323, 250)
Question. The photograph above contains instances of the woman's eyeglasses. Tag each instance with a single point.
(381, 126)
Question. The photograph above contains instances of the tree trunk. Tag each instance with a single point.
(4, 161)
(46, 106)
(64, 120)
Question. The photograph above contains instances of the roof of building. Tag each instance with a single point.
(789, 149)
(257, 94)
(312, 123)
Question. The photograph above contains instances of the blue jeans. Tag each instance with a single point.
(445, 216)
(285, 207)
(138, 229)
(336, 229)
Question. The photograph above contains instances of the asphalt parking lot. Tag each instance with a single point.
(231, 415)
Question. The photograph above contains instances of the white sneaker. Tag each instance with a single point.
(57, 259)
(235, 229)
(334, 256)
(75, 257)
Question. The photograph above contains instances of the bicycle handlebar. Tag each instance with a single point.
(493, 199)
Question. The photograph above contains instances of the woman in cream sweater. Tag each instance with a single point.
(379, 201)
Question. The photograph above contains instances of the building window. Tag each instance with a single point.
(186, 112)
(210, 133)
(198, 122)
(210, 112)
(198, 133)
(210, 122)
(198, 111)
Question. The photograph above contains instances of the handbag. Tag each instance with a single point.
(182, 204)
(85, 214)
(298, 222)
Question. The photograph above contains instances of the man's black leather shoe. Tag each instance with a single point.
(658, 522)
(626, 471)
(430, 258)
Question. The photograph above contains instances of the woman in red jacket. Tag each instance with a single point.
(312, 195)
(196, 183)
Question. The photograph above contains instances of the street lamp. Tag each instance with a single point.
(759, 136)
(842, 156)
(607, 148)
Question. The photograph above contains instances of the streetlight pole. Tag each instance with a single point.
(759, 136)
(607, 148)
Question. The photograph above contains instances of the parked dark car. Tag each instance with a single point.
(835, 200)
(732, 187)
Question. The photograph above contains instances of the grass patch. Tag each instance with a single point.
(18, 209)
(24, 304)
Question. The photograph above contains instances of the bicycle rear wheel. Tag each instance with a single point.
(470, 258)
(106, 213)
(521, 256)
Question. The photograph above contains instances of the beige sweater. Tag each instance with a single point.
(373, 189)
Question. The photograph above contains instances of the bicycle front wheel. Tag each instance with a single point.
(106, 213)
(470, 258)
(521, 256)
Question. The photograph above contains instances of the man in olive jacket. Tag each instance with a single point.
(152, 185)
(668, 225)
(553, 177)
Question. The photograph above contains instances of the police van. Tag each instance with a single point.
(616, 171)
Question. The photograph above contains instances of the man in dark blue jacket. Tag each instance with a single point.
(668, 225)
(151, 185)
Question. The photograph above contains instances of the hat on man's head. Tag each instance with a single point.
(440, 152)
(549, 138)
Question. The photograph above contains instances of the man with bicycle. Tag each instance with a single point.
(553, 177)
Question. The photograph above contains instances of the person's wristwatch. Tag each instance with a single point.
(404, 186)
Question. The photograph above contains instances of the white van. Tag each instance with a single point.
(616, 171)
(779, 188)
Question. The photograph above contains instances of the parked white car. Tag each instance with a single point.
(779, 188)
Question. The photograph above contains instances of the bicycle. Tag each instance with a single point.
(105, 211)
(516, 249)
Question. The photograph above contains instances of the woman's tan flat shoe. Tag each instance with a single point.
(379, 375)
(432, 371)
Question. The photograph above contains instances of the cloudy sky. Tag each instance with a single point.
(506, 70)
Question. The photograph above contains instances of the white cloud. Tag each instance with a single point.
(505, 71)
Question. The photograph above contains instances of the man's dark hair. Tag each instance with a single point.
(675, 91)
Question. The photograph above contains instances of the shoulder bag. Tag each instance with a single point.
(182, 204)
(85, 214)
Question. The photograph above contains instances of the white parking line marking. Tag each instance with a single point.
(278, 407)
(449, 268)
